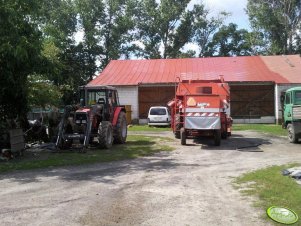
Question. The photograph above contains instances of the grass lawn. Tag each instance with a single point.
(272, 189)
(135, 146)
(148, 128)
(265, 128)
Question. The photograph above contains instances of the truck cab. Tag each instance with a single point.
(291, 102)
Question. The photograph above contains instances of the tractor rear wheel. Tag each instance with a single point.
(217, 137)
(293, 138)
(120, 130)
(105, 134)
(183, 136)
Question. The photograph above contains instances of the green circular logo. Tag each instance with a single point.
(282, 215)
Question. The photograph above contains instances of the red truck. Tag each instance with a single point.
(201, 108)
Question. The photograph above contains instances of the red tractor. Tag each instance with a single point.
(100, 120)
(201, 108)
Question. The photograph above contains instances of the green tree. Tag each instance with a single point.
(279, 21)
(118, 23)
(164, 27)
(229, 41)
(42, 92)
(205, 27)
(67, 60)
(187, 54)
(90, 17)
(107, 25)
(20, 55)
(58, 22)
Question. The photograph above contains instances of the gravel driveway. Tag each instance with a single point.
(189, 186)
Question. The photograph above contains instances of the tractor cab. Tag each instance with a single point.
(104, 98)
(98, 95)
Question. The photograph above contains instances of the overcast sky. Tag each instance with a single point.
(235, 7)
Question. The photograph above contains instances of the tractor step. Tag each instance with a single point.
(75, 136)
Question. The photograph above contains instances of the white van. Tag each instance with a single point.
(158, 116)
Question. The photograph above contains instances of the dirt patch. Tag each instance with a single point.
(189, 186)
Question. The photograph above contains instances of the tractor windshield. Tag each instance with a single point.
(96, 96)
(297, 97)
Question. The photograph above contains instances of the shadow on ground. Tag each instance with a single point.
(107, 172)
(235, 142)
(100, 172)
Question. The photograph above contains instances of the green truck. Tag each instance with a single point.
(291, 113)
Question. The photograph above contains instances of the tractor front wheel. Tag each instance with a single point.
(120, 130)
(293, 138)
(64, 144)
(105, 134)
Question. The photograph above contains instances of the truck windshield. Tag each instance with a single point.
(96, 96)
(298, 97)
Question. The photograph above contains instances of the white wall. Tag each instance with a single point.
(128, 95)
(278, 89)
(264, 119)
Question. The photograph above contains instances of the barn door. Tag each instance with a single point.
(154, 96)
(252, 101)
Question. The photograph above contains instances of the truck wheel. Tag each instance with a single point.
(217, 137)
(105, 135)
(183, 136)
(224, 135)
(293, 138)
(178, 126)
(120, 130)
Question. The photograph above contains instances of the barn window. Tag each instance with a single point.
(204, 90)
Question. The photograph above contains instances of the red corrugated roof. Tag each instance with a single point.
(288, 67)
(235, 69)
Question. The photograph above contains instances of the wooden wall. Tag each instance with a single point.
(154, 96)
(247, 101)
(252, 101)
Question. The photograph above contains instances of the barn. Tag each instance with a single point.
(256, 82)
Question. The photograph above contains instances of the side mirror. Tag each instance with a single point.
(282, 98)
